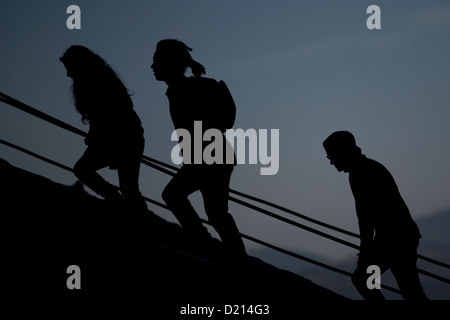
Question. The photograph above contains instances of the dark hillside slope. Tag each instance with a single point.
(49, 227)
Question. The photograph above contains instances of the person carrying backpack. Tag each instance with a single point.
(193, 99)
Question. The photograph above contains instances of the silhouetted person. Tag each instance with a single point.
(389, 236)
(197, 99)
(115, 136)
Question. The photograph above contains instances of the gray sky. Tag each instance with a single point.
(307, 68)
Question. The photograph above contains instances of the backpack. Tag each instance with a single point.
(226, 108)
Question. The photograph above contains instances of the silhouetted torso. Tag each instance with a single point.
(112, 120)
(192, 99)
(197, 99)
(382, 212)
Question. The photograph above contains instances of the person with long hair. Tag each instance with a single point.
(194, 99)
(116, 137)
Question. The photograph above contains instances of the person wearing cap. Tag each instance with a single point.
(389, 236)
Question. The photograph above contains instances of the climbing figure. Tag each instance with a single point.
(115, 138)
(194, 99)
(389, 236)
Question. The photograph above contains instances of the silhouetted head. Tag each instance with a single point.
(342, 150)
(94, 82)
(80, 61)
(171, 59)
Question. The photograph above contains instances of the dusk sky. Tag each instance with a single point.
(306, 68)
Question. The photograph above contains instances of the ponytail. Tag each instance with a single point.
(197, 69)
(177, 53)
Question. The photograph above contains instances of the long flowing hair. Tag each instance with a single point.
(95, 84)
